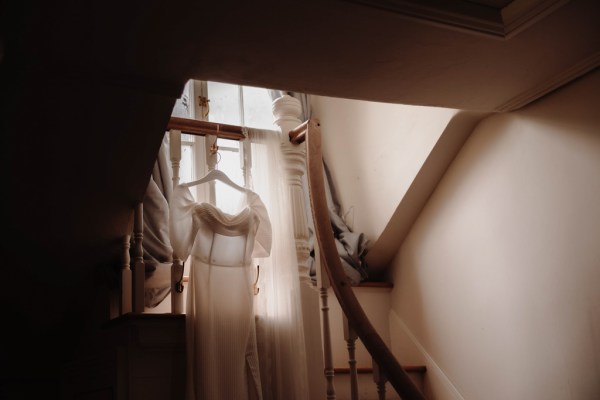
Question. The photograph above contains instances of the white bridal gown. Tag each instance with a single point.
(221, 337)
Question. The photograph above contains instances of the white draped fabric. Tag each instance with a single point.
(157, 245)
(220, 325)
(280, 331)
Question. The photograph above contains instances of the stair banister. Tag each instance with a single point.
(125, 303)
(328, 370)
(380, 380)
(139, 268)
(177, 267)
(350, 337)
(340, 284)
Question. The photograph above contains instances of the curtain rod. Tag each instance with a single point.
(203, 128)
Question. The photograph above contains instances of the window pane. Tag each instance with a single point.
(182, 104)
(185, 138)
(229, 162)
(186, 167)
(224, 105)
(257, 108)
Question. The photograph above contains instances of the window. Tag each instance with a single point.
(229, 104)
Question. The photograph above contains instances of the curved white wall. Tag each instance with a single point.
(499, 279)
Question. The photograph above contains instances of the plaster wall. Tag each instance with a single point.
(374, 150)
(496, 285)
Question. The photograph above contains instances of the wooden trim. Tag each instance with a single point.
(369, 284)
(340, 283)
(136, 317)
(495, 22)
(421, 369)
(378, 285)
(202, 128)
(549, 85)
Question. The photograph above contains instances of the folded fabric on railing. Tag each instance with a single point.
(158, 283)
(158, 253)
(351, 246)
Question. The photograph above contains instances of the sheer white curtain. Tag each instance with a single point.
(280, 330)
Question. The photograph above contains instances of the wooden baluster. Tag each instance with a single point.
(125, 304)
(175, 154)
(246, 149)
(177, 267)
(350, 336)
(326, 331)
(380, 380)
(327, 356)
(139, 268)
(177, 287)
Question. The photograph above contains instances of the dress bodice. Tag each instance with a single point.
(223, 239)
(216, 237)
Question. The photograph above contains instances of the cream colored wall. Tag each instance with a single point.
(374, 151)
(497, 284)
(376, 303)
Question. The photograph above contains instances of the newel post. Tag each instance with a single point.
(286, 112)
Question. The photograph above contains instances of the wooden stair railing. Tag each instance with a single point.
(131, 295)
(310, 132)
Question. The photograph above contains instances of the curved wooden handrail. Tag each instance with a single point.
(342, 288)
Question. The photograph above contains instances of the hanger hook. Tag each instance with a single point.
(254, 285)
(214, 149)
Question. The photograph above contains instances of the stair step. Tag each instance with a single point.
(366, 370)
(375, 284)
(367, 390)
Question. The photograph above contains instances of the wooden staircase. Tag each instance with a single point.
(357, 319)
(374, 298)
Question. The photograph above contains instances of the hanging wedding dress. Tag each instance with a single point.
(222, 351)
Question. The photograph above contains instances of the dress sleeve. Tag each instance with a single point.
(182, 230)
(264, 235)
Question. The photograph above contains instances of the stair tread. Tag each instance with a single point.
(375, 284)
(367, 370)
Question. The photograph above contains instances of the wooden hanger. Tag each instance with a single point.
(218, 175)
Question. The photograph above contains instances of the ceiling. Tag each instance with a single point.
(483, 55)
(393, 51)
(496, 18)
